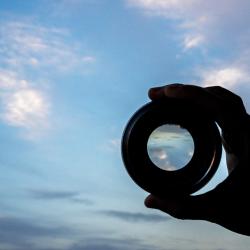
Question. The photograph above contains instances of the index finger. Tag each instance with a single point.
(227, 108)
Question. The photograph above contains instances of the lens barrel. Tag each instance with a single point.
(207, 147)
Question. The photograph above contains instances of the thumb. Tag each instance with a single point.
(152, 202)
(189, 207)
(173, 207)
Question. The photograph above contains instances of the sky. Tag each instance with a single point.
(72, 72)
(170, 147)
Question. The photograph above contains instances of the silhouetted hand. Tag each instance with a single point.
(229, 203)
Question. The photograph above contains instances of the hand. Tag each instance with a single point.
(228, 204)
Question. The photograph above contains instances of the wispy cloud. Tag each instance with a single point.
(19, 233)
(190, 20)
(22, 233)
(228, 77)
(206, 20)
(102, 243)
(29, 55)
(51, 195)
(39, 47)
(73, 7)
(167, 8)
(114, 144)
(25, 108)
(9, 80)
(23, 105)
(191, 41)
(135, 217)
(209, 24)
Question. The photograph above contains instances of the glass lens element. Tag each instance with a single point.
(170, 147)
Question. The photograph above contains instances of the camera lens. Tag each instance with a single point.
(171, 147)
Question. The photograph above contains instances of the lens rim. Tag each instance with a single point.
(196, 173)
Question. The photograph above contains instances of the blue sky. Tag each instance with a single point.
(72, 72)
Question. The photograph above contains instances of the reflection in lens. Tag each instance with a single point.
(170, 147)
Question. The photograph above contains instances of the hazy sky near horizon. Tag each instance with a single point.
(72, 72)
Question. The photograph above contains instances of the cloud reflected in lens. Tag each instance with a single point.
(170, 147)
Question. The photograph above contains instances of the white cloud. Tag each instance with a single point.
(38, 47)
(57, 8)
(162, 155)
(88, 59)
(29, 55)
(209, 19)
(26, 108)
(160, 158)
(189, 13)
(8, 79)
(205, 24)
(113, 145)
(168, 8)
(192, 41)
(227, 77)
(23, 106)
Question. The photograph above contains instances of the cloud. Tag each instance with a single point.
(112, 244)
(191, 41)
(57, 8)
(203, 19)
(71, 196)
(39, 47)
(89, 59)
(112, 145)
(135, 217)
(20, 233)
(9, 80)
(227, 77)
(48, 194)
(30, 54)
(166, 8)
(189, 14)
(26, 108)
(115, 143)
(206, 25)
(159, 156)
(23, 105)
